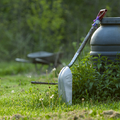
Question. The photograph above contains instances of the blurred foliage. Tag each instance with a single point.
(47, 25)
(13, 68)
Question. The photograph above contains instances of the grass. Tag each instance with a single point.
(21, 99)
(18, 95)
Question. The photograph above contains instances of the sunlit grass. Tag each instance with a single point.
(18, 97)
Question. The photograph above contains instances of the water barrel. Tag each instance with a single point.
(106, 39)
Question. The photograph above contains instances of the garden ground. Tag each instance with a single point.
(19, 99)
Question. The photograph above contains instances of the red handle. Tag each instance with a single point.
(101, 13)
(99, 17)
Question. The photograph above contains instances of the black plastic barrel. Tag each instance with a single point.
(106, 39)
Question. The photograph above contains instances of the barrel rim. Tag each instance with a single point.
(110, 20)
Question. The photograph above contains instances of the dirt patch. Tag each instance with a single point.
(14, 117)
(70, 115)
(17, 117)
(111, 114)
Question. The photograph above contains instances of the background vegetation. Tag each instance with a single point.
(38, 25)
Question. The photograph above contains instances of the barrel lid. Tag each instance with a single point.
(110, 20)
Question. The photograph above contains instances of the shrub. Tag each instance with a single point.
(97, 81)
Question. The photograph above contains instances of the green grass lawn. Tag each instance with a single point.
(18, 95)
(21, 99)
